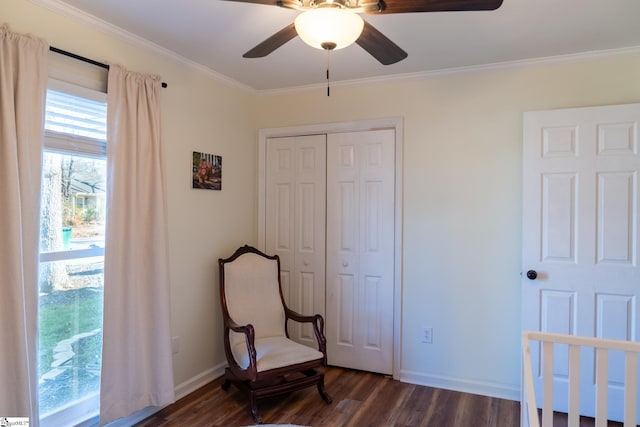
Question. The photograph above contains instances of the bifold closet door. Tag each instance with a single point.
(295, 223)
(360, 249)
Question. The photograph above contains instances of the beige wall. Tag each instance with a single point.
(462, 201)
(462, 191)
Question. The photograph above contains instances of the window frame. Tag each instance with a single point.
(84, 411)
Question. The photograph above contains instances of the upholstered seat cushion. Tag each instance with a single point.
(275, 352)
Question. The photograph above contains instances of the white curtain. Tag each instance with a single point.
(23, 85)
(136, 357)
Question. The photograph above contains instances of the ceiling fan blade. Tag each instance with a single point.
(379, 46)
(273, 42)
(291, 4)
(410, 6)
(268, 2)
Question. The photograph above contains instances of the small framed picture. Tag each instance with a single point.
(207, 171)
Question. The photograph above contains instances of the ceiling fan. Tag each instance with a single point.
(343, 25)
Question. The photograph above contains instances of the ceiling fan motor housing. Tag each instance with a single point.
(329, 3)
(358, 6)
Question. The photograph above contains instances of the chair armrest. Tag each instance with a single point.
(318, 328)
(249, 332)
(293, 315)
(242, 329)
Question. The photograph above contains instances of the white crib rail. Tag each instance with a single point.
(601, 347)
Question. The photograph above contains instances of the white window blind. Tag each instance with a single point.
(66, 113)
(75, 119)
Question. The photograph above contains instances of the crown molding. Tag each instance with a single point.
(447, 72)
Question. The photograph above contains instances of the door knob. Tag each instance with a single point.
(532, 274)
(345, 264)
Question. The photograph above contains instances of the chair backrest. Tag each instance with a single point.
(251, 288)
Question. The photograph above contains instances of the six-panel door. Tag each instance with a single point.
(580, 235)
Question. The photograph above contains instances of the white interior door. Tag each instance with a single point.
(295, 218)
(360, 249)
(580, 236)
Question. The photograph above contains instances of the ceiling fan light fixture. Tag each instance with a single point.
(328, 27)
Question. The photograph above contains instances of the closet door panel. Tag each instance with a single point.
(295, 222)
(360, 249)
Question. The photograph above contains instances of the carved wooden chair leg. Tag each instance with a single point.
(325, 396)
(253, 403)
(225, 385)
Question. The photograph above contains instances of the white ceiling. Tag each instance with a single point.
(215, 34)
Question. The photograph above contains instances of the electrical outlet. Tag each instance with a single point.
(175, 344)
(427, 335)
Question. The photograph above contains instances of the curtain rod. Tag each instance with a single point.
(83, 59)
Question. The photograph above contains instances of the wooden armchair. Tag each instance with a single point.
(263, 361)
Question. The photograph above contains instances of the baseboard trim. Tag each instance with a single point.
(485, 388)
(200, 380)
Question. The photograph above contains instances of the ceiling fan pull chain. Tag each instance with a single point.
(328, 65)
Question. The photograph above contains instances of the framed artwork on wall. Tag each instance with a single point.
(206, 171)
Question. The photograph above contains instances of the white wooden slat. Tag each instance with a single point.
(602, 348)
(547, 380)
(574, 385)
(528, 387)
(630, 388)
(602, 386)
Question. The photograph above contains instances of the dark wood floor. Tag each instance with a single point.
(359, 399)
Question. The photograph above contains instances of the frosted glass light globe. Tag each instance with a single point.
(318, 27)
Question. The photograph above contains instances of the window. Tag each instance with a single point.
(72, 230)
